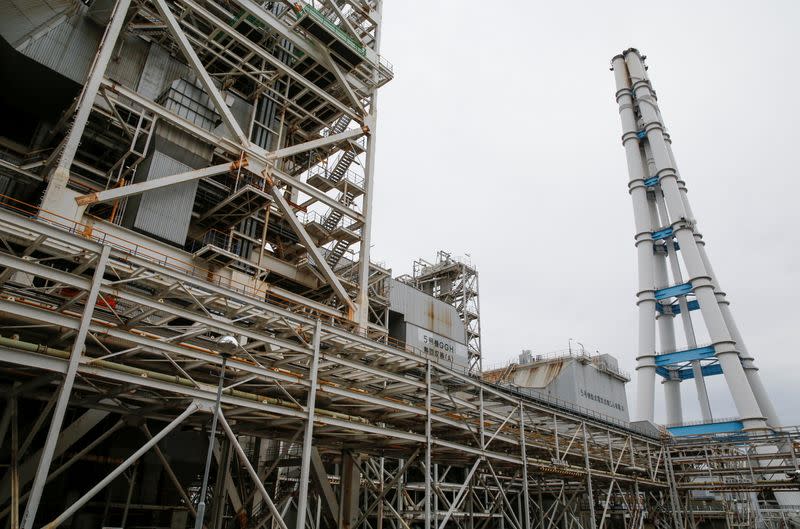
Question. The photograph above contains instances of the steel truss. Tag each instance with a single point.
(109, 349)
(374, 426)
(736, 479)
(303, 176)
(385, 435)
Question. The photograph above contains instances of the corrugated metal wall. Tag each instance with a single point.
(158, 72)
(69, 49)
(128, 61)
(164, 213)
(18, 18)
(576, 382)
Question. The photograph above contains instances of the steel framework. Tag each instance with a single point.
(110, 339)
(110, 358)
(287, 190)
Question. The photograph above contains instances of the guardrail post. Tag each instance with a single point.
(302, 495)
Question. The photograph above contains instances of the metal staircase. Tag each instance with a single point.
(330, 223)
(335, 176)
(340, 125)
(337, 252)
(334, 216)
(342, 165)
(346, 198)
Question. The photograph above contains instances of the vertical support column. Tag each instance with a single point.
(399, 491)
(686, 319)
(220, 493)
(64, 392)
(726, 352)
(54, 196)
(672, 394)
(478, 323)
(481, 426)
(526, 507)
(666, 336)
(305, 465)
(362, 300)
(428, 446)
(688, 327)
(201, 505)
(121, 468)
(751, 371)
(14, 470)
(350, 487)
(646, 302)
(436, 496)
(381, 487)
(589, 491)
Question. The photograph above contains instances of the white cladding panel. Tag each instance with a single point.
(577, 383)
(438, 348)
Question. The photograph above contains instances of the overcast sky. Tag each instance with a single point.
(500, 138)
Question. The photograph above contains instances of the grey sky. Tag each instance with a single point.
(499, 137)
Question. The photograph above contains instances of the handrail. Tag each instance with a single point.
(349, 175)
(698, 422)
(135, 249)
(535, 395)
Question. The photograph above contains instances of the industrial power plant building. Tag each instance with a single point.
(194, 333)
(590, 382)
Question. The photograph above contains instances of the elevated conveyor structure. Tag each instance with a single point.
(386, 436)
(150, 351)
